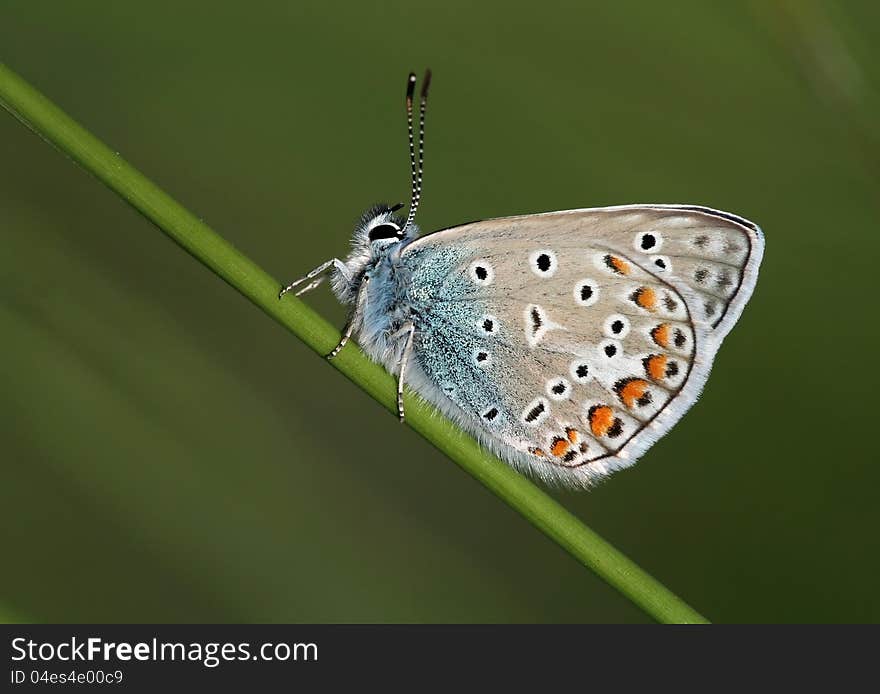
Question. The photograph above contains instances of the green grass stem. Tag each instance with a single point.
(49, 122)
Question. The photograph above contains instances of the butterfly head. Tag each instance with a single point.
(379, 229)
(378, 232)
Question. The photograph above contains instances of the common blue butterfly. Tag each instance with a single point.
(565, 342)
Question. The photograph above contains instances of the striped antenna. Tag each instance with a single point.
(416, 166)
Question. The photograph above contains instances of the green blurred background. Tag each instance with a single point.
(170, 454)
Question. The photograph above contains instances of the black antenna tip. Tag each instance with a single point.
(426, 82)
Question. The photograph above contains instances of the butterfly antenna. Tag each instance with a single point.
(416, 166)
(423, 107)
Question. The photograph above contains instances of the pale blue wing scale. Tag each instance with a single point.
(709, 261)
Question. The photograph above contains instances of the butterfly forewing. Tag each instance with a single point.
(570, 341)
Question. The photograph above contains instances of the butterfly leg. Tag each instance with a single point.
(349, 326)
(323, 267)
(311, 285)
(410, 331)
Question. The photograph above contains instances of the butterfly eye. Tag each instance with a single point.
(384, 231)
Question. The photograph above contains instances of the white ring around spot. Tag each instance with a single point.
(658, 242)
(485, 362)
(481, 324)
(609, 325)
(618, 349)
(490, 273)
(555, 382)
(533, 262)
(579, 294)
(540, 416)
(573, 370)
(667, 264)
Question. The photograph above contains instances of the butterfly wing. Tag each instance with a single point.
(569, 342)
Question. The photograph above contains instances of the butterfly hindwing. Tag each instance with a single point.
(570, 341)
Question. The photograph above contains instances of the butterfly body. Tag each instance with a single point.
(566, 342)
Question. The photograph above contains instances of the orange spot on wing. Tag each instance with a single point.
(655, 366)
(573, 435)
(538, 452)
(660, 335)
(632, 390)
(601, 419)
(559, 447)
(619, 265)
(645, 298)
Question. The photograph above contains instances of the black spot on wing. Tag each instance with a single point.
(543, 262)
(536, 319)
(535, 412)
(616, 429)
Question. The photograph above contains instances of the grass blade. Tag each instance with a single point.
(49, 122)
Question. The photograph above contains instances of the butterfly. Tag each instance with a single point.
(566, 342)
